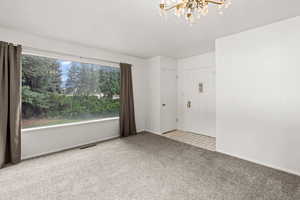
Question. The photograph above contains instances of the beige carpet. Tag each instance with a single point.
(197, 140)
(144, 167)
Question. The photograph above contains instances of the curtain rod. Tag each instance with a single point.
(67, 54)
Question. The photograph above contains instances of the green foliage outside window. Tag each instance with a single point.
(56, 91)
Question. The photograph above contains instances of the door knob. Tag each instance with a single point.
(189, 104)
(163, 104)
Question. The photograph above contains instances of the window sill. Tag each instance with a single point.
(26, 130)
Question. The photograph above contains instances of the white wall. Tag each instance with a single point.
(153, 96)
(195, 63)
(139, 84)
(40, 141)
(258, 98)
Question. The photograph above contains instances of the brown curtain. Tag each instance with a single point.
(10, 103)
(127, 118)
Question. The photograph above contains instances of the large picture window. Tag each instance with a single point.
(56, 91)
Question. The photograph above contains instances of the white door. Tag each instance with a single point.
(199, 113)
(168, 100)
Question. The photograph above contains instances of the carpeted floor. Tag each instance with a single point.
(144, 167)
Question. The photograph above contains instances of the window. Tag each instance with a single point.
(58, 91)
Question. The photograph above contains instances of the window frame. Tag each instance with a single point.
(66, 57)
(72, 59)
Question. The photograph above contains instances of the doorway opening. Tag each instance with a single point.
(196, 107)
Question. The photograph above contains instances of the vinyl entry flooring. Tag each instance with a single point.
(198, 140)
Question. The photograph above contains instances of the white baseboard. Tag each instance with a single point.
(246, 159)
(151, 131)
(261, 163)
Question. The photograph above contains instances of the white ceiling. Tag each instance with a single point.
(134, 27)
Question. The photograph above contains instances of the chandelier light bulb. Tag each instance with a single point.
(190, 19)
(205, 11)
(178, 12)
(186, 17)
(162, 12)
(182, 11)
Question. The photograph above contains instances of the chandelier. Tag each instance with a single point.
(191, 9)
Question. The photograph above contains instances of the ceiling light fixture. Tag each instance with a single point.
(191, 9)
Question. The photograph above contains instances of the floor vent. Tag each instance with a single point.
(88, 146)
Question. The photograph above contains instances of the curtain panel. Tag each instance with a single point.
(10, 103)
(127, 115)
